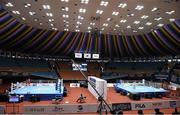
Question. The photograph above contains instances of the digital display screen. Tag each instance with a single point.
(77, 67)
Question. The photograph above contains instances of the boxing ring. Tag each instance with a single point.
(136, 91)
(44, 91)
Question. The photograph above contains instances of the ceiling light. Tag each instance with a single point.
(109, 19)
(67, 25)
(35, 19)
(89, 28)
(92, 23)
(139, 7)
(15, 12)
(66, 29)
(136, 22)
(104, 3)
(52, 24)
(123, 21)
(160, 25)
(81, 10)
(49, 14)
(128, 26)
(32, 13)
(78, 22)
(40, 23)
(84, 1)
(65, 9)
(154, 9)
(77, 26)
(114, 29)
(99, 11)
(64, 0)
(80, 17)
(140, 28)
(148, 23)
(130, 15)
(51, 20)
(117, 25)
(27, 5)
(9, 4)
(23, 18)
(115, 13)
(102, 29)
(46, 7)
(134, 31)
(172, 20)
(122, 5)
(105, 24)
(144, 17)
(77, 30)
(54, 28)
(170, 12)
(157, 19)
(65, 16)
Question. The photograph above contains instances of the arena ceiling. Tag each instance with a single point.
(21, 31)
(130, 17)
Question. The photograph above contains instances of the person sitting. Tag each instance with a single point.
(176, 112)
(81, 99)
(158, 112)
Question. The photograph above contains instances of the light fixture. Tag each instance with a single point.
(46, 7)
(23, 18)
(51, 20)
(115, 13)
(144, 17)
(154, 9)
(84, 1)
(65, 16)
(123, 21)
(170, 12)
(32, 13)
(104, 3)
(128, 26)
(136, 22)
(81, 10)
(122, 5)
(9, 4)
(27, 5)
(99, 11)
(148, 23)
(141, 28)
(49, 14)
(80, 17)
(139, 7)
(171, 19)
(157, 19)
(64, 0)
(105, 24)
(65, 9)
(15, 12)
(160, 25)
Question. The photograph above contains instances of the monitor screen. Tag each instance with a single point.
(82, 67)
(13, 99)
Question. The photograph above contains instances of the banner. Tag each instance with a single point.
(79, 108)
(121, 106)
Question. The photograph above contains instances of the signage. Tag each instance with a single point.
(121, 106)
(78, 55)
(95, 56)
(87, 55)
